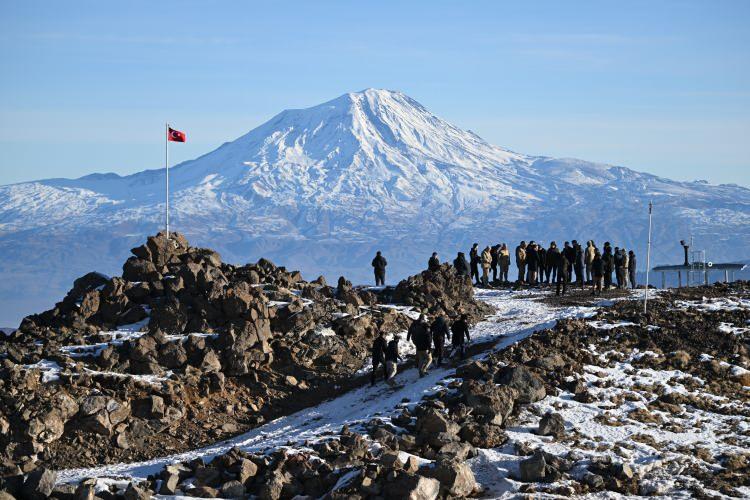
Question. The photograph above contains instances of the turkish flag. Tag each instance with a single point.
(176, 135)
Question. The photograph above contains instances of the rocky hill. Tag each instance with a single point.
(183, 350)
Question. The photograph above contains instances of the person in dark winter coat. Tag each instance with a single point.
(569, 254)
(460, 264)
(378, 264)
(608, 261)
(419, 334)
(532, 263)
(440, 331)
(597, 273)
(619, 265)
(579, 263)
(378, 357)
(494, 254)
(460, 332)
(631, 268)
(553, 254)
(434, 263)
(521, 262)
(541, 254)
(392, 358)
(474, 261)
(563, 274)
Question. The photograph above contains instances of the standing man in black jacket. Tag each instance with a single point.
(597, 273)
(474, 262)
(631, 268)
(608, 262)
(553, 256)
(619, 261)
(541, 254)
(532, 263)
(379, 263)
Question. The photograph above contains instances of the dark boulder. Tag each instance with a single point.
(529, 387)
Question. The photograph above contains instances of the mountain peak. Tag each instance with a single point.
(323, 187)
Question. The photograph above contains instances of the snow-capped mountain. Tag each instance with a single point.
(320, 189)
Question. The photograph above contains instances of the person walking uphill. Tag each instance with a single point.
(460, 265)
(474, 261)
(392, 358)
(486, 264)
(378, 264)
(440, 331)
(378, 357)
(521, 261)
(419, 334)
(460, 331)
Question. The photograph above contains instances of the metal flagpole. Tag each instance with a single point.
(166, 165)
(648, 258)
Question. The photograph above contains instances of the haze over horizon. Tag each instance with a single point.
(663, 89)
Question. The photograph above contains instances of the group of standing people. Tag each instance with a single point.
(495, 259)
(538, 265)
(429, 339)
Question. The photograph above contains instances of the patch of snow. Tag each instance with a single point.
(50, 370)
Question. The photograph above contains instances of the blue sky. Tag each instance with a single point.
(662, 87)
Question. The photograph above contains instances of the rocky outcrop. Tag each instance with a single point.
(441, 291)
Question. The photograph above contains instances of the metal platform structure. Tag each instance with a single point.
(700, 269)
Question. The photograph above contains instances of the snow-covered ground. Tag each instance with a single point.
(603, 428)
(659, 447)
(517, 316)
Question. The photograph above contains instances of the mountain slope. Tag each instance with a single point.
(322, 188)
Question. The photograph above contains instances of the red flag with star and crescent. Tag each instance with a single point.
(176, 136)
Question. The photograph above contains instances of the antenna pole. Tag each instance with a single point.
(648, 258)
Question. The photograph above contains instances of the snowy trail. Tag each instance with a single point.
(517, 316)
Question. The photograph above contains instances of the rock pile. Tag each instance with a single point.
(441, 291)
